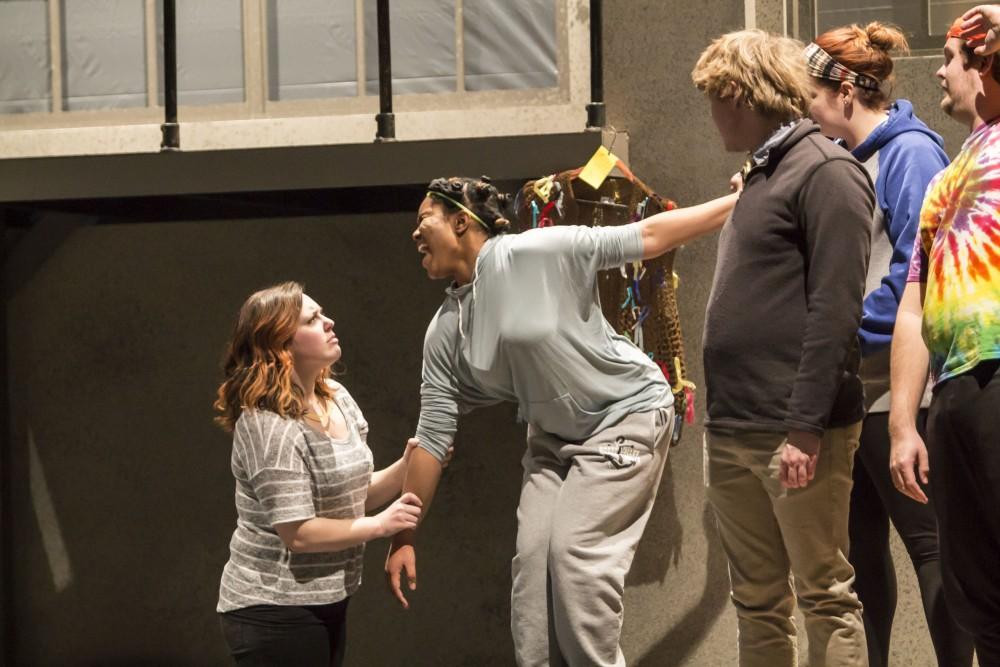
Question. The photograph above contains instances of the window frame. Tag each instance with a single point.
(805, 13)
(256, 103)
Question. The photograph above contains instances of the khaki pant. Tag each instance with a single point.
(770, 533)
(583, 508)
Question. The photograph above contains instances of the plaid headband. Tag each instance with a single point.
(823, 66)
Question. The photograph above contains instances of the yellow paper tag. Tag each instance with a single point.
(598, 168)
(543, 188)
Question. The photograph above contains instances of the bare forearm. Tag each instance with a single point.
(422, 476)
(909, 363)
(318, 535)
(385, 485)
(669, 229)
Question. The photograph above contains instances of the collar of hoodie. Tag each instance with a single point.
(760, 157)
(458, 291)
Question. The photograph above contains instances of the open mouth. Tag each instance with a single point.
(425, 254)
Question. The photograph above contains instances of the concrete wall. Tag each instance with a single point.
(124, 498)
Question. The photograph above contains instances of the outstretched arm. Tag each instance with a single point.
(318, 534)
(282, 482)
(669, 229)
(388, 482)
(439, 408)
(423, 473)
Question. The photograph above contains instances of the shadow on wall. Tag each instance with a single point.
(653, 561)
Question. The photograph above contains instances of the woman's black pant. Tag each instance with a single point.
(874, 502)
(268, 635)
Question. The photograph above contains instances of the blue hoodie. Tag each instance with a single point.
(901, 155)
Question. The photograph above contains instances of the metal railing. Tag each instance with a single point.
(385, 120)
(596, 117)
(170, 129)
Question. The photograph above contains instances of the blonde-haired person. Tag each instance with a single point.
(763, 72)
(852, 75)
(785, 402)
(304, 479)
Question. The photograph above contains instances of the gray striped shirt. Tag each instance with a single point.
(284, 472)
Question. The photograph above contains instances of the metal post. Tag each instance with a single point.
(595, 110)
(171, 130)
(385, 120)
(6, 475)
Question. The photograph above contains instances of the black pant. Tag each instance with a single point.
(267, 635)
(874, 502)
(964, 447)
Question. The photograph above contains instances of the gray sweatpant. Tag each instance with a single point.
(584, 506)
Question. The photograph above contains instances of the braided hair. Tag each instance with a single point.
(478, 195)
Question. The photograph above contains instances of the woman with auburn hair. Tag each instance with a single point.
(304, 481)
(852, 75)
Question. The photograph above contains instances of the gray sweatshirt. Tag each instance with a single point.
(529, 330)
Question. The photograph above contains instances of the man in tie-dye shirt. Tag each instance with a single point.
(952, 298)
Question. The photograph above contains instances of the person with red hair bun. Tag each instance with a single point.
(852, 76)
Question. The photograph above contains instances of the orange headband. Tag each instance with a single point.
(956, 31)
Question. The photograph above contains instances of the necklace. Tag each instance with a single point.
(321, 417)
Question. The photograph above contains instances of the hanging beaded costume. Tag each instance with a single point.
(639, 299)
